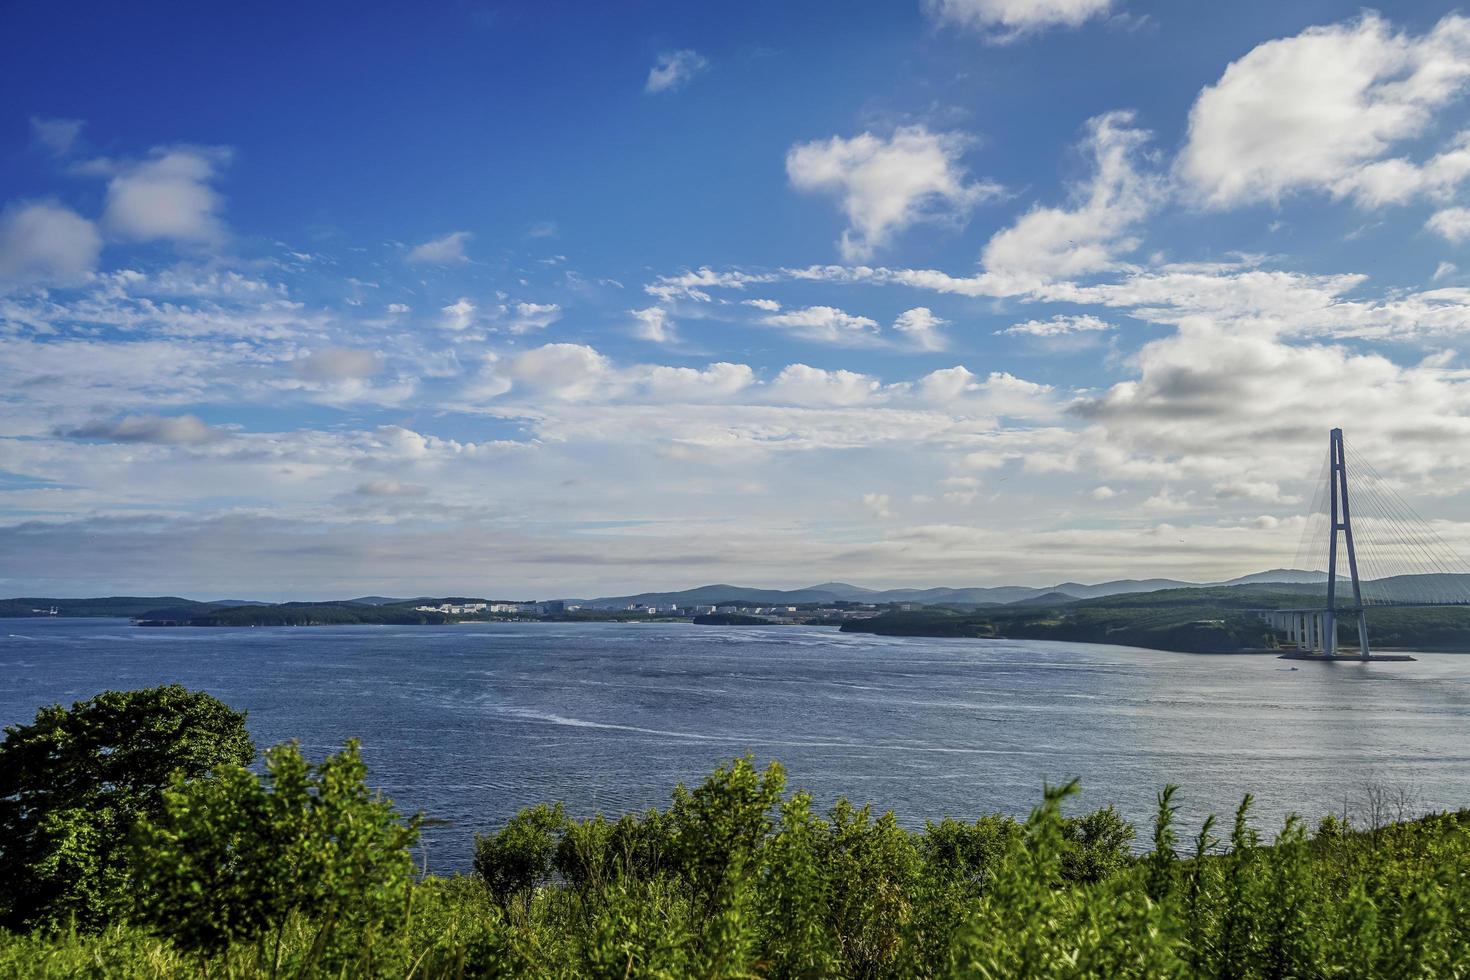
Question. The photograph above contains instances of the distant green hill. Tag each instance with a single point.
(709, 595)
(1201, 620)
(316, 614)
(828, 592)
(124, 606)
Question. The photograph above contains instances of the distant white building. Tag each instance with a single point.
(455, 608)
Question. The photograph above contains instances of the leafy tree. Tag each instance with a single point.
(73, 783)
(520, 856)
(967, 853)
(717, 828)
(1097, 845)
(874, 867)
(234, 857)
(586, 857)
(796, 895)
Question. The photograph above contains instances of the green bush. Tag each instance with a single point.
(73, 783)
(521, 855)
(233, 858)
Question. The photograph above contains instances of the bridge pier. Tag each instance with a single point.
(1313, 632)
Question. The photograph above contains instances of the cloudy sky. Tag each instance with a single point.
(553, 298)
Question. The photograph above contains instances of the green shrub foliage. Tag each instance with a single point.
(74, 782)
(233, 858)
(303, 872)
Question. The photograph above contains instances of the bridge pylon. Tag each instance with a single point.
(1342, 523)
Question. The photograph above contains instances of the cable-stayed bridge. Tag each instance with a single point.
(1376, 551)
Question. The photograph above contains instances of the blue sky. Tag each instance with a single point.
(566, 298)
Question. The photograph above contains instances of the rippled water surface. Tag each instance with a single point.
(470, 723)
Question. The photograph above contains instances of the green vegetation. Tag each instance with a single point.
(316, 614)
(235, 858)
(301, 871)
(123, 606)
(1446, 629)
(1208, 620)
(75, 782)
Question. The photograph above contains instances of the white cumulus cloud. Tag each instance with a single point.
(568, 372)
(653, 324)
(1451, 224)
(1059, 325)
(1315, 111)
(45, 242)
(921, 326)
(826, 325)
(887, 185)
(802, 384)
(1006, 20)
(1057, 242)
(168, 196)
(678, 384)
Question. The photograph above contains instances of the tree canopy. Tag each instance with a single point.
(75, 781)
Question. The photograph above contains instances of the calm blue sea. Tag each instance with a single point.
(470, 723)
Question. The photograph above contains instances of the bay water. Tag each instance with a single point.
(469, 723)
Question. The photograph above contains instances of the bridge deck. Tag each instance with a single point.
(1348, 658)
(1366, 606)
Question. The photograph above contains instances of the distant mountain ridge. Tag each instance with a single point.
(1411, 588)
(980, 595)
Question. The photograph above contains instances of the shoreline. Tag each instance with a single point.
(1395, 654)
